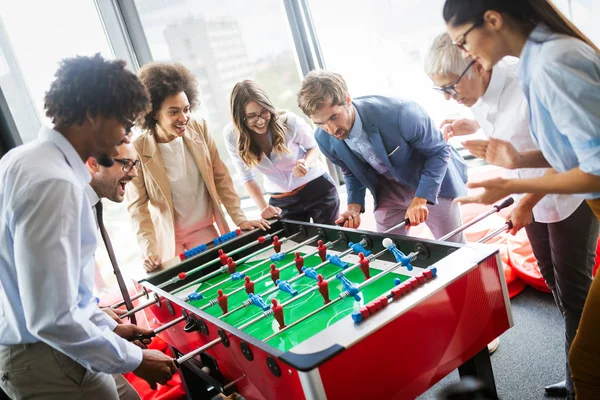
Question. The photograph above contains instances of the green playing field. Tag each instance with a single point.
(298, 309)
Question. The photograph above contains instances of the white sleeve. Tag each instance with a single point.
(47, 251)
(303, 133)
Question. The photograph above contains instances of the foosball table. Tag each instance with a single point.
(306, 311)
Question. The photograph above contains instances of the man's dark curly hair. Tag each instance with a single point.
(97, 86)
(163, 80)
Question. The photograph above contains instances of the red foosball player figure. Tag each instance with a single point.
(274, 273)
(249, 285)
(278, 313)
(299, 262)
(222, 299)
(231, 265)
(276, 244)
(364, 265)
(223, 257)
(323, 288)
(322, 250)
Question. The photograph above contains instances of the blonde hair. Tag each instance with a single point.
(321, 89)
(243, 93)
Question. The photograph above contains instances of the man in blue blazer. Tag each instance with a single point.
(391, 147)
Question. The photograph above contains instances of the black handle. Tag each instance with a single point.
(142, 337)
(509, 225)
(506, 203)
(192, 325)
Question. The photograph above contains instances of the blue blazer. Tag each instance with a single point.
(407, 142)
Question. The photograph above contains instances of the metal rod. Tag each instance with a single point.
(312, 289)
(169, 324)
(400, 225)
(230, 384)
(475, 220)
(312, 239)
(342, 295)
(140, 307)
(241, 261)
(122, 303)
(194, 353)
(268, 292)
(203, 278)
(504, 228)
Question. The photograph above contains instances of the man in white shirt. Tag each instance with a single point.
(109, 183)
(562, 229)
(55, 343)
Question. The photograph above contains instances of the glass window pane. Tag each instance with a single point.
(585, 16)
(223, 42)
(41, 33)
(380, 48)
(36, 36)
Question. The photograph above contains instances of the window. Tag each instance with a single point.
(36, 35)
(40, 35)
(380, 48)
(222, 43)
(585, 13)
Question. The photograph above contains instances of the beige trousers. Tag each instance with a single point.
(37, 371)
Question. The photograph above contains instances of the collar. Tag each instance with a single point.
(92, 195)
(539, 35)
(496, 86)
(73, 159)
(357, 127)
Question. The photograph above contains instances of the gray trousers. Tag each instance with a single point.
(565, 252)
(393, 199)
(37, 371)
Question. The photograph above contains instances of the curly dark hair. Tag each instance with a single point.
(95, 85)
(163, 80)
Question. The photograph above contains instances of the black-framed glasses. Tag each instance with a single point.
(451, 89)
(127, 165)
(252, 119)
(461, 41)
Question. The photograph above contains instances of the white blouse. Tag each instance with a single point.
(191, 201)
(502, 112)
(277, 169)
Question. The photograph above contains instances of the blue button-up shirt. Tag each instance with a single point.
(560, 77)
(47, 244)
(359, 143)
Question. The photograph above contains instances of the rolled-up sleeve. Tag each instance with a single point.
(56, 301)
(570, 87)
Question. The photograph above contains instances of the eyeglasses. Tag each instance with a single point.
(252, 119)
(451, 90)
(462, 39)
(127, 165)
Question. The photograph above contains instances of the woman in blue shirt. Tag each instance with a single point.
(560, 75)
(282, 147)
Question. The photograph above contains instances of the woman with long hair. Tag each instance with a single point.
(281, 146)
(559, 73)
(175, 201)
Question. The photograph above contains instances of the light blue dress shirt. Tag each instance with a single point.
(47, 244)
(560, 77)
(359, 143)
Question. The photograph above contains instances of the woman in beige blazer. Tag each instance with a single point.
(176, 198)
